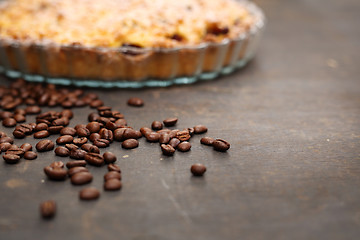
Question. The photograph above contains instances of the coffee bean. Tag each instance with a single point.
(167, 149)
(74, 170)
(30, 155)
(198, 129)
(57, 174)
(19, 118)
(76, 163)
(11, 158)
(112, 185)
(94, 136)
(67, 113)
(152, 137)
(121, 123)
(90, 148)
(2, 134)
(94, 159)
(26, 147)
(122, 134)
(96, 103)
(89, 193)
(93, 127)
(169, 122)
(55, 129)
(41, 134)
(9, 122)
(41, 126)
(221, 145)
(111, 126)
(113, 167)
(130, 143)
(6, 139)
(78, 154)
(48, 209)
(45, 145)
(162, 131)
(68, 131)
(156, 125)
(67, 104)
(81, 178)
(92, 117)
(4, 146)
(80, 141)
(173, 133)
(184, 146)
(198, 169)
(58, 164)
(183, 135)
(101, 143)
(6, 114)
(32, 109)
(106, 134)
(71, 146)
(207, 141)
(64, 139)
(13, 149)
(19, 134)
(164, 138)
(64, 121)
(112, 175)
(83, 132)
(79, 126)
(109, 157)
(135, 102)
(62, 151)
(191, 131)
(174, 142)
(145, 130)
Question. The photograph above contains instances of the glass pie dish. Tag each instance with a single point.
(129, 66)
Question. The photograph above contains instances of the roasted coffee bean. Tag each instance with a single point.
(145, 130)
(68, 131)
(55, 129)
(26, 147)
(6, 139)
(105, 113)
(164, 138)
(103, 121)
(64, 139)
(184, 146)
(64, 121)
(2, 134)
(173, 133)
(198, 169)
(90, 148)
(13, 149)
(112, 185)
(96, 103)
(92, 117)
(89, 193)
(74, 170)
(26, 128)
(167, 149)
(113, 167)
(30, 155)
(94, 159)
(32, 109)
(156, 125)
(111, 126)
(67, 113)
(40, 120)
(79, 126)
(45, 145)
(62, 151)
(55, 173)
(117, 115)
(9, 122)
(4, 146)
(174, 142)
(183, 135)
(83, 132)
(169, 122)
(67, 104)
(6, 114)
(164, 131)
(207, 141)
(109, 157)
(112, 175)
(81, 178)
(41, 126)
(119, 134)
(121, 123)
(135, 102)
(71, 146)
(19, 134)
(152, 137)
(48, 209)
(41, 134)
(198, 129)
(130, 143)
(58, 164)
(101, 143)
(191, 131)
(30, 101)
(221, 145)
(77, 154)
(106, 134)
(19, 118)
(76, 163)
(11, 158)
(11, 105)
(80, 103)
(94, 136)
(80, 141)
(104, 108)
(93, 127)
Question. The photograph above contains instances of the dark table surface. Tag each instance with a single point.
(293, 170)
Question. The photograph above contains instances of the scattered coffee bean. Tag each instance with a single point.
(90, 148)
(156, 125)
(114, 167)
(19, 118)
(164, 138)
(169, 122)
(167, 149)
(184, 146)
(198, 129)
(130, 143)
(67, 113)
(83, 132)
(145, 130)
(71, 146)
(80, 141)
(2, 134)
(62, 151)
(94, 159)
(183, 135)
(135, 102)
(79, 126)
(89, 193)
(4, 146)
(152, 137)
(78, 154)
(96, 103)
(81, 178)
(32, 109)
(41, 134)
(57, 174)
(207, 141)
(191, 131)
(30, 155)
(48, 209)
(76, 163)
(68, 131)
(101, 143)
(72, 171)
(6, 139)
(11, 158)
(111, 175)
(26, 147)
(221, 145)
(174, 142)
(58, 164)
(64, 139)
(6, 114)
(93, 127)
(173, 133)
(55, 129)
(112, 185)
(109, 157)
(92, 117)
(45, 145)
(13, 149)
(198, 169)
(106, 134)
(9, 122)
(94, 136)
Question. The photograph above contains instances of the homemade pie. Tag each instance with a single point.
(133, 41)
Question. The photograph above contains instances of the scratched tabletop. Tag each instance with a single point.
(292, 117)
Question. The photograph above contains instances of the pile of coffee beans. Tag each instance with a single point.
(82, 143)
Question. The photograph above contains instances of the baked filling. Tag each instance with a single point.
(115, 23)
